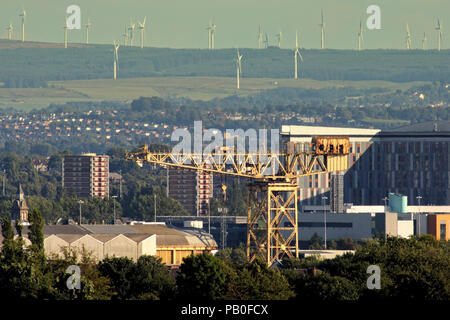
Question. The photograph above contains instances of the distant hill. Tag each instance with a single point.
(32, 63)
(13, 44)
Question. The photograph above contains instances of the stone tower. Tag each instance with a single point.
(20, 207)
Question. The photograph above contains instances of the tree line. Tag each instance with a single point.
(45, 64)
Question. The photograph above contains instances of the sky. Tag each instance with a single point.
(182, 23)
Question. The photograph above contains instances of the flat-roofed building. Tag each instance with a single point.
(193, 189)
(413, 161)
(439, 226)
(86, 175)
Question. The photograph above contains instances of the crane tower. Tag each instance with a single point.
(272, 220)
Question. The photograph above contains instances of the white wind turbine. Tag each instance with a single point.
(126, 35)
(88, 26)
(360, 36)
(260, 38)
(439, 30)
(23, 15)
(209, 28)
(279, 35)
(10, 30)
(142, 28)
(296, 53)
(408, 38)
(116, 58)
(66, 30)
(238, 68)
(213, 31)
(322, 32)
(266, 41)
(424, 40)
(131, 30)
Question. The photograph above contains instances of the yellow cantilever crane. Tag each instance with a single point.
(272, 225)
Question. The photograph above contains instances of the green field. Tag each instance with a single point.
(196, 88)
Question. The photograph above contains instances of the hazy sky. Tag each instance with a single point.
(182, 23)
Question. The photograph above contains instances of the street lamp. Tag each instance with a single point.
(80, 202)
(385, 202)
(114, 204)
(419, 198)
(325, 221)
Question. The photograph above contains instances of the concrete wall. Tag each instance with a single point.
(120, 246)
(356, 226)
(405, 228)
(386, 223)
(54, 245)
(147, 246)
(391, 224)
(92, 245)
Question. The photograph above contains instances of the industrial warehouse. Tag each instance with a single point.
(131, 241)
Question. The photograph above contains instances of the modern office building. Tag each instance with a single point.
(413, 161)
(86, 175)
(193, 189)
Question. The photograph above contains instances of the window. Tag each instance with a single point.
(443, 229)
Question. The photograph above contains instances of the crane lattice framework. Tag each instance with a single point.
(272, 224)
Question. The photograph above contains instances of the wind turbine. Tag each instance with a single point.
(266, 41)
(213, 31)
(408, 38)
(10, 31)
(209, 28)
(88, 26)
(125, 35)
(279, 36)
(424, 40)
(238, 68)
(322, 32)
(131, 30)
(439, 30)
(296, 53)
(23, 15)
(142, 28)
(66, 29)
(360, 36)
(116, 58)
(260, 38)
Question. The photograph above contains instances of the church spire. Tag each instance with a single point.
(20, 193)
(20, 206)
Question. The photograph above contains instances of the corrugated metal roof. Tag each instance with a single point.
(108, 229)
(63, 229)
(69, 237)
(137, 237)
(171, 240)
(104, 237)
(166, 236)
(156, 229)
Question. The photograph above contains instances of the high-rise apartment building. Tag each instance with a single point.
(86, 175)
(193, 189)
